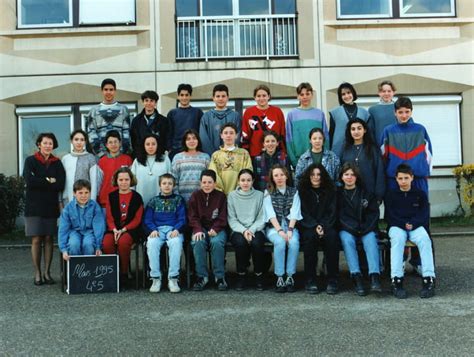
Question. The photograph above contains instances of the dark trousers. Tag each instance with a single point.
(310, 242)
(243, 250)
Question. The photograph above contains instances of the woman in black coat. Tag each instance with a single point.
(44, 177)
(318, 208)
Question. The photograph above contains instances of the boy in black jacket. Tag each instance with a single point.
(408, 214)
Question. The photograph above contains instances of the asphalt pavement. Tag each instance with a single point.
(44, 321)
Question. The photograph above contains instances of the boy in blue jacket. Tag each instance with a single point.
(165, 217)
(82, 224)
(408, 215)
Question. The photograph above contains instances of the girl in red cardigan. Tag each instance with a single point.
(260, 118)
(124, 211)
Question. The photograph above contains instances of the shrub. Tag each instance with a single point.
(465, 185)
(12, 201)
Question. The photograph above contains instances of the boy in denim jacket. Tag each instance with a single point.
(82, 224)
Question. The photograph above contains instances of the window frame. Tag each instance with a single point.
(74, 13)
(395, 9)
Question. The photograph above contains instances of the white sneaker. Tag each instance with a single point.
(156, 286)
(173, 286)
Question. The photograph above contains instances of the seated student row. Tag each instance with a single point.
(248, 210)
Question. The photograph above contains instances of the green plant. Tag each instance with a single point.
(12, 201)
(465, 185)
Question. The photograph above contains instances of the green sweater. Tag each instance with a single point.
(245, 210)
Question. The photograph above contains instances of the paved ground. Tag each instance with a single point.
(44, 321)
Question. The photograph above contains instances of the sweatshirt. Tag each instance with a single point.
(407, 207)
(207, 211)
(318, 207)
(245, 210)
(381, 115)
(180, 120)
(210, 128)
(165, 211)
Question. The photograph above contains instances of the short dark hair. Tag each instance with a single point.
(347, 86)
(185, 137)
(229, 125)
(304, 85)
(108, 81)
(220, 88)
(403, 102)
(404, 169)
(186, 87)
(51, 136)
(349, 165)
(150, 94)
(246, 171)
(112, 134)
(167, 176)
(209, 173)
(272, 133)
(80, 184)
(126, 170)
(261, 87)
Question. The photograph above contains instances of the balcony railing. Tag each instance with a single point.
(212, 37)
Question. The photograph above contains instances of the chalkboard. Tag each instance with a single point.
(88, 274)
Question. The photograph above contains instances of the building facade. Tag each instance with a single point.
(55, 53)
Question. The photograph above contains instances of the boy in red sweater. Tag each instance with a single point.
(207, 215)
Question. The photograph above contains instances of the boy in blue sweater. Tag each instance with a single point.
(165, 217)
(182, 118)
(212, 120)
(82, 224)
(407, 214)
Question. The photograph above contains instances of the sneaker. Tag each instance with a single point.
(311, 287)
(397, 288)
(240, 283)
(221, 284)
(200, 283)
(290, 284)
(359, 284)
(173, 285)
(259, 282)
(156, 285)
(280, 285)
(375, 286)
(332, 288)
(428, 287)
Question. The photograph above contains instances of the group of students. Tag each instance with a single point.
(189, 177)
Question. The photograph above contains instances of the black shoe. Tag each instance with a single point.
(200, 284)
(240, 283)
(397, 288)
(280, 285)
(290, 284)
(49, 281)
(221, 284)
(259, 282)
(311, 287)
(428, 287)
(375, 286)
(359, 284)
(332, 288)
(38, 282)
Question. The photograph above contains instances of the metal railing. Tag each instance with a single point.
(210, 37)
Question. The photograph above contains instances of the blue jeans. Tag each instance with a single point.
(81, 244)
(175, 248)
(216, 245)
(371, 248)
(279, 251)
(420, 237)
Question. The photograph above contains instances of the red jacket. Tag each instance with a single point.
(207, 211)
(255, 122)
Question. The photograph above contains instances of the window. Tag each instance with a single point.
(207, 29)
(440, 116)
(60, 120)
(73, 13)
(350, 9)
